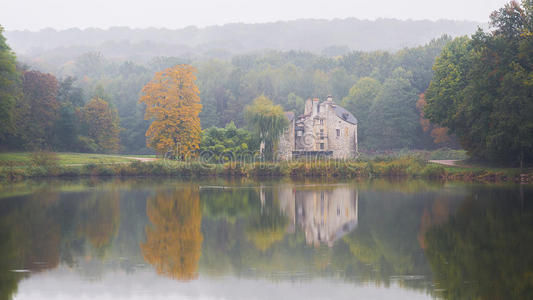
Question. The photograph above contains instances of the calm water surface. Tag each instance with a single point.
(168, 239)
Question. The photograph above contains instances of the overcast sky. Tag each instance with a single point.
(61, 14)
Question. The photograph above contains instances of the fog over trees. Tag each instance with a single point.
(327, 37)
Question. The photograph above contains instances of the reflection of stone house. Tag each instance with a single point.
(325, 129)
(325, 215)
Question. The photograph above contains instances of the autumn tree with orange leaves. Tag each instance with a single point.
(173, 103)
(439, 134)
(174, 241)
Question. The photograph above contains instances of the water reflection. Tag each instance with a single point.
(485, 250)
(173, 241)
(398, 239)
(324, 213)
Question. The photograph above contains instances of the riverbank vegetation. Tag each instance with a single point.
(395, 167)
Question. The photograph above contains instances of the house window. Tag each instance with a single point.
(321, 146)
(321, 122)
(338, 132)
(321, 134)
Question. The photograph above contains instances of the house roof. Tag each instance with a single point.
(345, 115)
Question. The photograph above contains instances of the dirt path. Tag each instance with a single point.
(449, 162)
(143, 159)
(445, 162)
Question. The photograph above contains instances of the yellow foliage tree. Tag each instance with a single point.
(173, 103)
(174, 241)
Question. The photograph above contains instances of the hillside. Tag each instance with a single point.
(328, 37)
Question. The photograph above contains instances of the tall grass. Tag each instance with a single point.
(414, 167)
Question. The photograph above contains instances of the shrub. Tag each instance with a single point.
(45, 159)
(70, 171)
(433, 171)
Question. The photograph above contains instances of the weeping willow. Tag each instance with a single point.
(267, 121)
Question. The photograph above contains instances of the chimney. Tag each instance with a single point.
(315, 106)
(308, 107)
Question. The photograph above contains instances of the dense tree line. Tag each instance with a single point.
(38, 111)
(483, 88)
(380, 88)
(386, 108)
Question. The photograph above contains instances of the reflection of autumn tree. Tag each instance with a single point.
(485, 251)
(434, 215)
(99, 219)
(174, 241)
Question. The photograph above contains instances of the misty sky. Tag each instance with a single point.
(61, 14)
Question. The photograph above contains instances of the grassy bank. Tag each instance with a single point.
(62, 159)
(399, 167)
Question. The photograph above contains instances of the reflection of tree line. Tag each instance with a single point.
(263, 240)
(485, 250)
(39, 231)
(485, 240)
(450, 240)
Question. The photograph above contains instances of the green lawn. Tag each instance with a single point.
(24, 158)
(485, 169)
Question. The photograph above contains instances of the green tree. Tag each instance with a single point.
(482, 89)
(394, 116)
(102, 126)
(9, 81)
(295, 103)
(267, 121)
(220, 145)
(362, 96)
(66, 128)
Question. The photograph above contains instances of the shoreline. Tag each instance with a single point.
(397, 168)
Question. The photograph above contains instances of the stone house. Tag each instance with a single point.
(324, 129)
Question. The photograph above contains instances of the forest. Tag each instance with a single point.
(402, 99)
(226, 87)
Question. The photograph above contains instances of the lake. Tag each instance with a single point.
(216, 239)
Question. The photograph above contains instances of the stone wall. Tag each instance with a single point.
(344, 143)
(286, 143)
